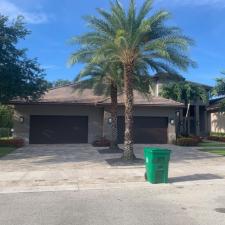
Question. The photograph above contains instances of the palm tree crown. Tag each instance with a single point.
(134, 37)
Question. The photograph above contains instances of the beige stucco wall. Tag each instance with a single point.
(95, 117)
(144, 111)
(217, 122)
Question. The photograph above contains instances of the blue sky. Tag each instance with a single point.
(54, 22)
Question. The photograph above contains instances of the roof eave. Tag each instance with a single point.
(147, 105)
(92, 104)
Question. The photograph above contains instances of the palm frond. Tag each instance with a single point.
(145, 9)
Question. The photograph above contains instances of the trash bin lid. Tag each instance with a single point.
(155, 150)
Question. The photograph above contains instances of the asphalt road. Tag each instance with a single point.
(158, 205)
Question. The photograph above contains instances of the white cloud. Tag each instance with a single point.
(211, 3)
(12, 11)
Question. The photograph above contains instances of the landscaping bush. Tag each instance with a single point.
(216, 138)
(197, 138)
(5, 132)
(14, 142)
(101, 142)
(217, 134)
(188, 141)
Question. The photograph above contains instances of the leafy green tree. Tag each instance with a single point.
(20, 76)
(185, 92)
(133, 38)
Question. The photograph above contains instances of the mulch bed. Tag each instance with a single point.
(122, 162)
(110, 151)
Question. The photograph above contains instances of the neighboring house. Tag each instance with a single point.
(67, 115)
(198, 118)
(216, 115)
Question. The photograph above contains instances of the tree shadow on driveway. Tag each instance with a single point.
(119, 162)
(195, 177)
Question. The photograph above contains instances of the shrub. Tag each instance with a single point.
(217, 134)
(6, 117)
(14, 142)
(216, 138)
(5, 132)
(188, 141)
(197, 138)
(101, 142)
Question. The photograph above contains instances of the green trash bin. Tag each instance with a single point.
(157, 165)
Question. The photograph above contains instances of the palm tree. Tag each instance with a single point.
(185, 92)
(133, 38)
(219, 89)
(106, 79)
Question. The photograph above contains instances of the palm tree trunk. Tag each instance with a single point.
(128, 135)
(113, 93)
(186, 119)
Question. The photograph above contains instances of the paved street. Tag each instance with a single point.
(155, 205)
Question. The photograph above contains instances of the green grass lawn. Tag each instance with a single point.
(214, 151)
(5, 150)
(211, 144)
(213, 147)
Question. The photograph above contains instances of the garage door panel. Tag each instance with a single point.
(58, 129)
(147, 130)
(151, 136)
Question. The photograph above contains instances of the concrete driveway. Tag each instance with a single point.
(75, 167)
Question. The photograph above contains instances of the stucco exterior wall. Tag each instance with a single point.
(95, 117)
(98, 125)
(144, 111)
(217, 122)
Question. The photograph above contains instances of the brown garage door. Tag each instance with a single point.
(58, 129)
(147, 130)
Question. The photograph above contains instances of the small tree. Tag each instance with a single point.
(185, 92)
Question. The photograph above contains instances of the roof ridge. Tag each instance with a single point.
(65, 85)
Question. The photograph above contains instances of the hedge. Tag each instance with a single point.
(216, 138)
(101, 142)
(217, 134)
(188, 141)
(14, 142)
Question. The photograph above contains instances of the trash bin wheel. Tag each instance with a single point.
(145, 176)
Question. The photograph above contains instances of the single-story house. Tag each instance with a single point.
(65, 115)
